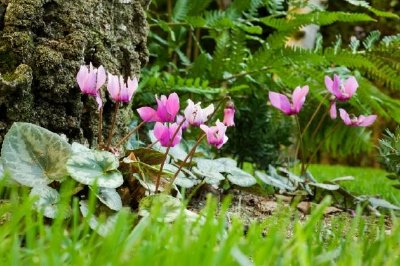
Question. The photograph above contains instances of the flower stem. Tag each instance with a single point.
(319, 125)
(190, 154)
(300, 145)
(320, 145)
(126, 137)
(111, 133)
(313, 116)
(166, 154)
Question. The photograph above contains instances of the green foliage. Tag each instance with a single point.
(389, 149)
(242, 51)
(213, 238)
(33, 155)
(93, 167)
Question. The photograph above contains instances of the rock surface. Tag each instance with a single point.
(42, 45)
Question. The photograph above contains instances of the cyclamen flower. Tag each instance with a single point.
(282, 103)
(167, 108)
(195, 115)
(90, 81)
(361, 121)
(216, 134)
(165, 133)
(229, 114)
(119, 90)
(341, 91)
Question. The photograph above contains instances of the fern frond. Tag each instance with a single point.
(181, 10)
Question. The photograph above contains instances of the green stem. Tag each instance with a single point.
(320, 145)
(111, 133)
(126, 137)
(166, 154)
(319, 125)
(300, 145)
(313, 115)
(192, 151)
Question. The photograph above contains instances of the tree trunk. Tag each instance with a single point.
(42, 45)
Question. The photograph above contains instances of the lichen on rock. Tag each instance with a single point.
(42, 45)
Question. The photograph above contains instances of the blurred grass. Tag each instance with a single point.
(26, 238)
(368, 181)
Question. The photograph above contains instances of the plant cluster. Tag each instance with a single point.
(389, 149)
(204, 49)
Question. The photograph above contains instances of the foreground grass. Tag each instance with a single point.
(27, 239)
(368, 181)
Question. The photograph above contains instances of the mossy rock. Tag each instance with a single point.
(42, 45)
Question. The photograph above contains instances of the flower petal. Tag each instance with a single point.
(299, 97)
(101, 77)
(350, 86)
(99, 101)
(332, 110)
(345, 117)
(82, 76)
(173, 128)
(147, 114)
(113, 87)
(329, 84)
(161, 132)
(280, 102)
(173, 105)
(366, 121)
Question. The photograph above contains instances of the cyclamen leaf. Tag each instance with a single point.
(184, 179)
(241, 178)
(34, 155)
(102, 229)
(47, 201)
(325, 186)
(149, 156)
(212, 178)
(93, 167)
(171, 207)
(110, 197)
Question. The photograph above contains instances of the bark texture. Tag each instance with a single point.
(42, 45)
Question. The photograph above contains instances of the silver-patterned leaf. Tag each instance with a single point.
(325, 186)
(227, 163)
(48, 199)
(184, 179)
(93, 167)
(171, 207)
(212, 178)
(103, 228)
(77, 147)
(110, 197)
(1, 170)
(241, 178)
(275, 182)
(34, 155)
(380, 203)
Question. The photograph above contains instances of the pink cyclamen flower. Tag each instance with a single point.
(216, 134)
(361, 121)
(167, 108)
(119, 90)
(282, 103)
(90, 81)
(342, 91)
(229, 114)
(195, 115)
(165, 133)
